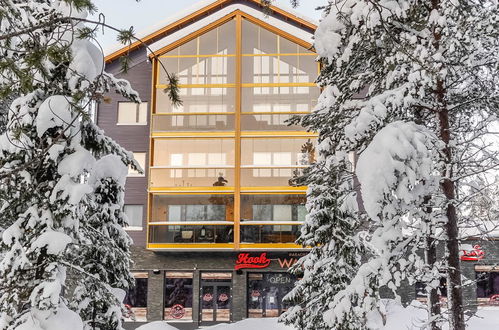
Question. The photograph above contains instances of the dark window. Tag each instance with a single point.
(136, 300)
(487, 284)
(266, 292)
(137, 296)
(178, 296)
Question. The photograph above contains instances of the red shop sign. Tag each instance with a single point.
(473, 255)
(245, 261)
(177, 311)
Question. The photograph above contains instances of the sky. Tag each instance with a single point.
(145, 13)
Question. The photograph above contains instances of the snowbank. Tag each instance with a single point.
(252, 324)
(411, 317)
(158, 325)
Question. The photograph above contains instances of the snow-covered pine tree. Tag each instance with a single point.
(103, 252)
(426, 72)
(49, 214)
(328, 267)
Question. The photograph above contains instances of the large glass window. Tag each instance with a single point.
(269, 234)
(178, 296)
(193, 152)
(198, 100)
(195, 70)
(193, 122)
(190, 208)
(276, 207)
(136, 299)
(275, 161)
(168, 234)
(279, 99)
(266, 292)
(193, 163)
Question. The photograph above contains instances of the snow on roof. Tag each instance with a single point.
(188, 11)
(282, 25)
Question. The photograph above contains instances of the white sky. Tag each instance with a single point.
(145, 13)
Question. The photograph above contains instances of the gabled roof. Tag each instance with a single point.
(199, 11)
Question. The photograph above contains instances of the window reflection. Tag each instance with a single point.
(178, 296)
(278, 151)
(184, 208)
(136, 299)
(266, 292)
(273, 99)
(213, 100)
(487, 287)
(273, 207)
(179, 123)
(191, 234)
(269, 233)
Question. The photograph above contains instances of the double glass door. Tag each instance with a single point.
(216, 297)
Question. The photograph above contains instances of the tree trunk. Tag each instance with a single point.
(433, 300)
(454, 287)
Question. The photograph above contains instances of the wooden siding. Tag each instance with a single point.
(132, 137)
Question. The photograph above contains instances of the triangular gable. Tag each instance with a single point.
(282, 28)
(205, 9)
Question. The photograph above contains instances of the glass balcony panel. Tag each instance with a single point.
(272, 99)
(207, 153)
(198, 70)
(191, 177)
(189, 208)
(270, 234)
(268, 122)
(257, 40)
(189, 234)
(182, 123)
(198, 100)
(280, 152)
(271, 177)
(287, 208)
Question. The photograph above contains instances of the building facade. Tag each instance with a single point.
(216, 213)
(215, 216)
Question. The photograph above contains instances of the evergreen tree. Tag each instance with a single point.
(62, 179)
(410, 87)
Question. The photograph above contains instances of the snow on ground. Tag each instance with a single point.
(158, 325)
(252, 324)
(397, 317)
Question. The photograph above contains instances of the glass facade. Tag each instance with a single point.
(224, 163)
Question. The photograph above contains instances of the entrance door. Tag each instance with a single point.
(215, 298)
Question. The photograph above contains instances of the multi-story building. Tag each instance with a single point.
(216, 214)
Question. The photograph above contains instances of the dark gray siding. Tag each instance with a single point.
(133, 138)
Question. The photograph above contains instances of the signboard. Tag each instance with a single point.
(177, 311)
(474, 253)
(469, 253)
(244, 260)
